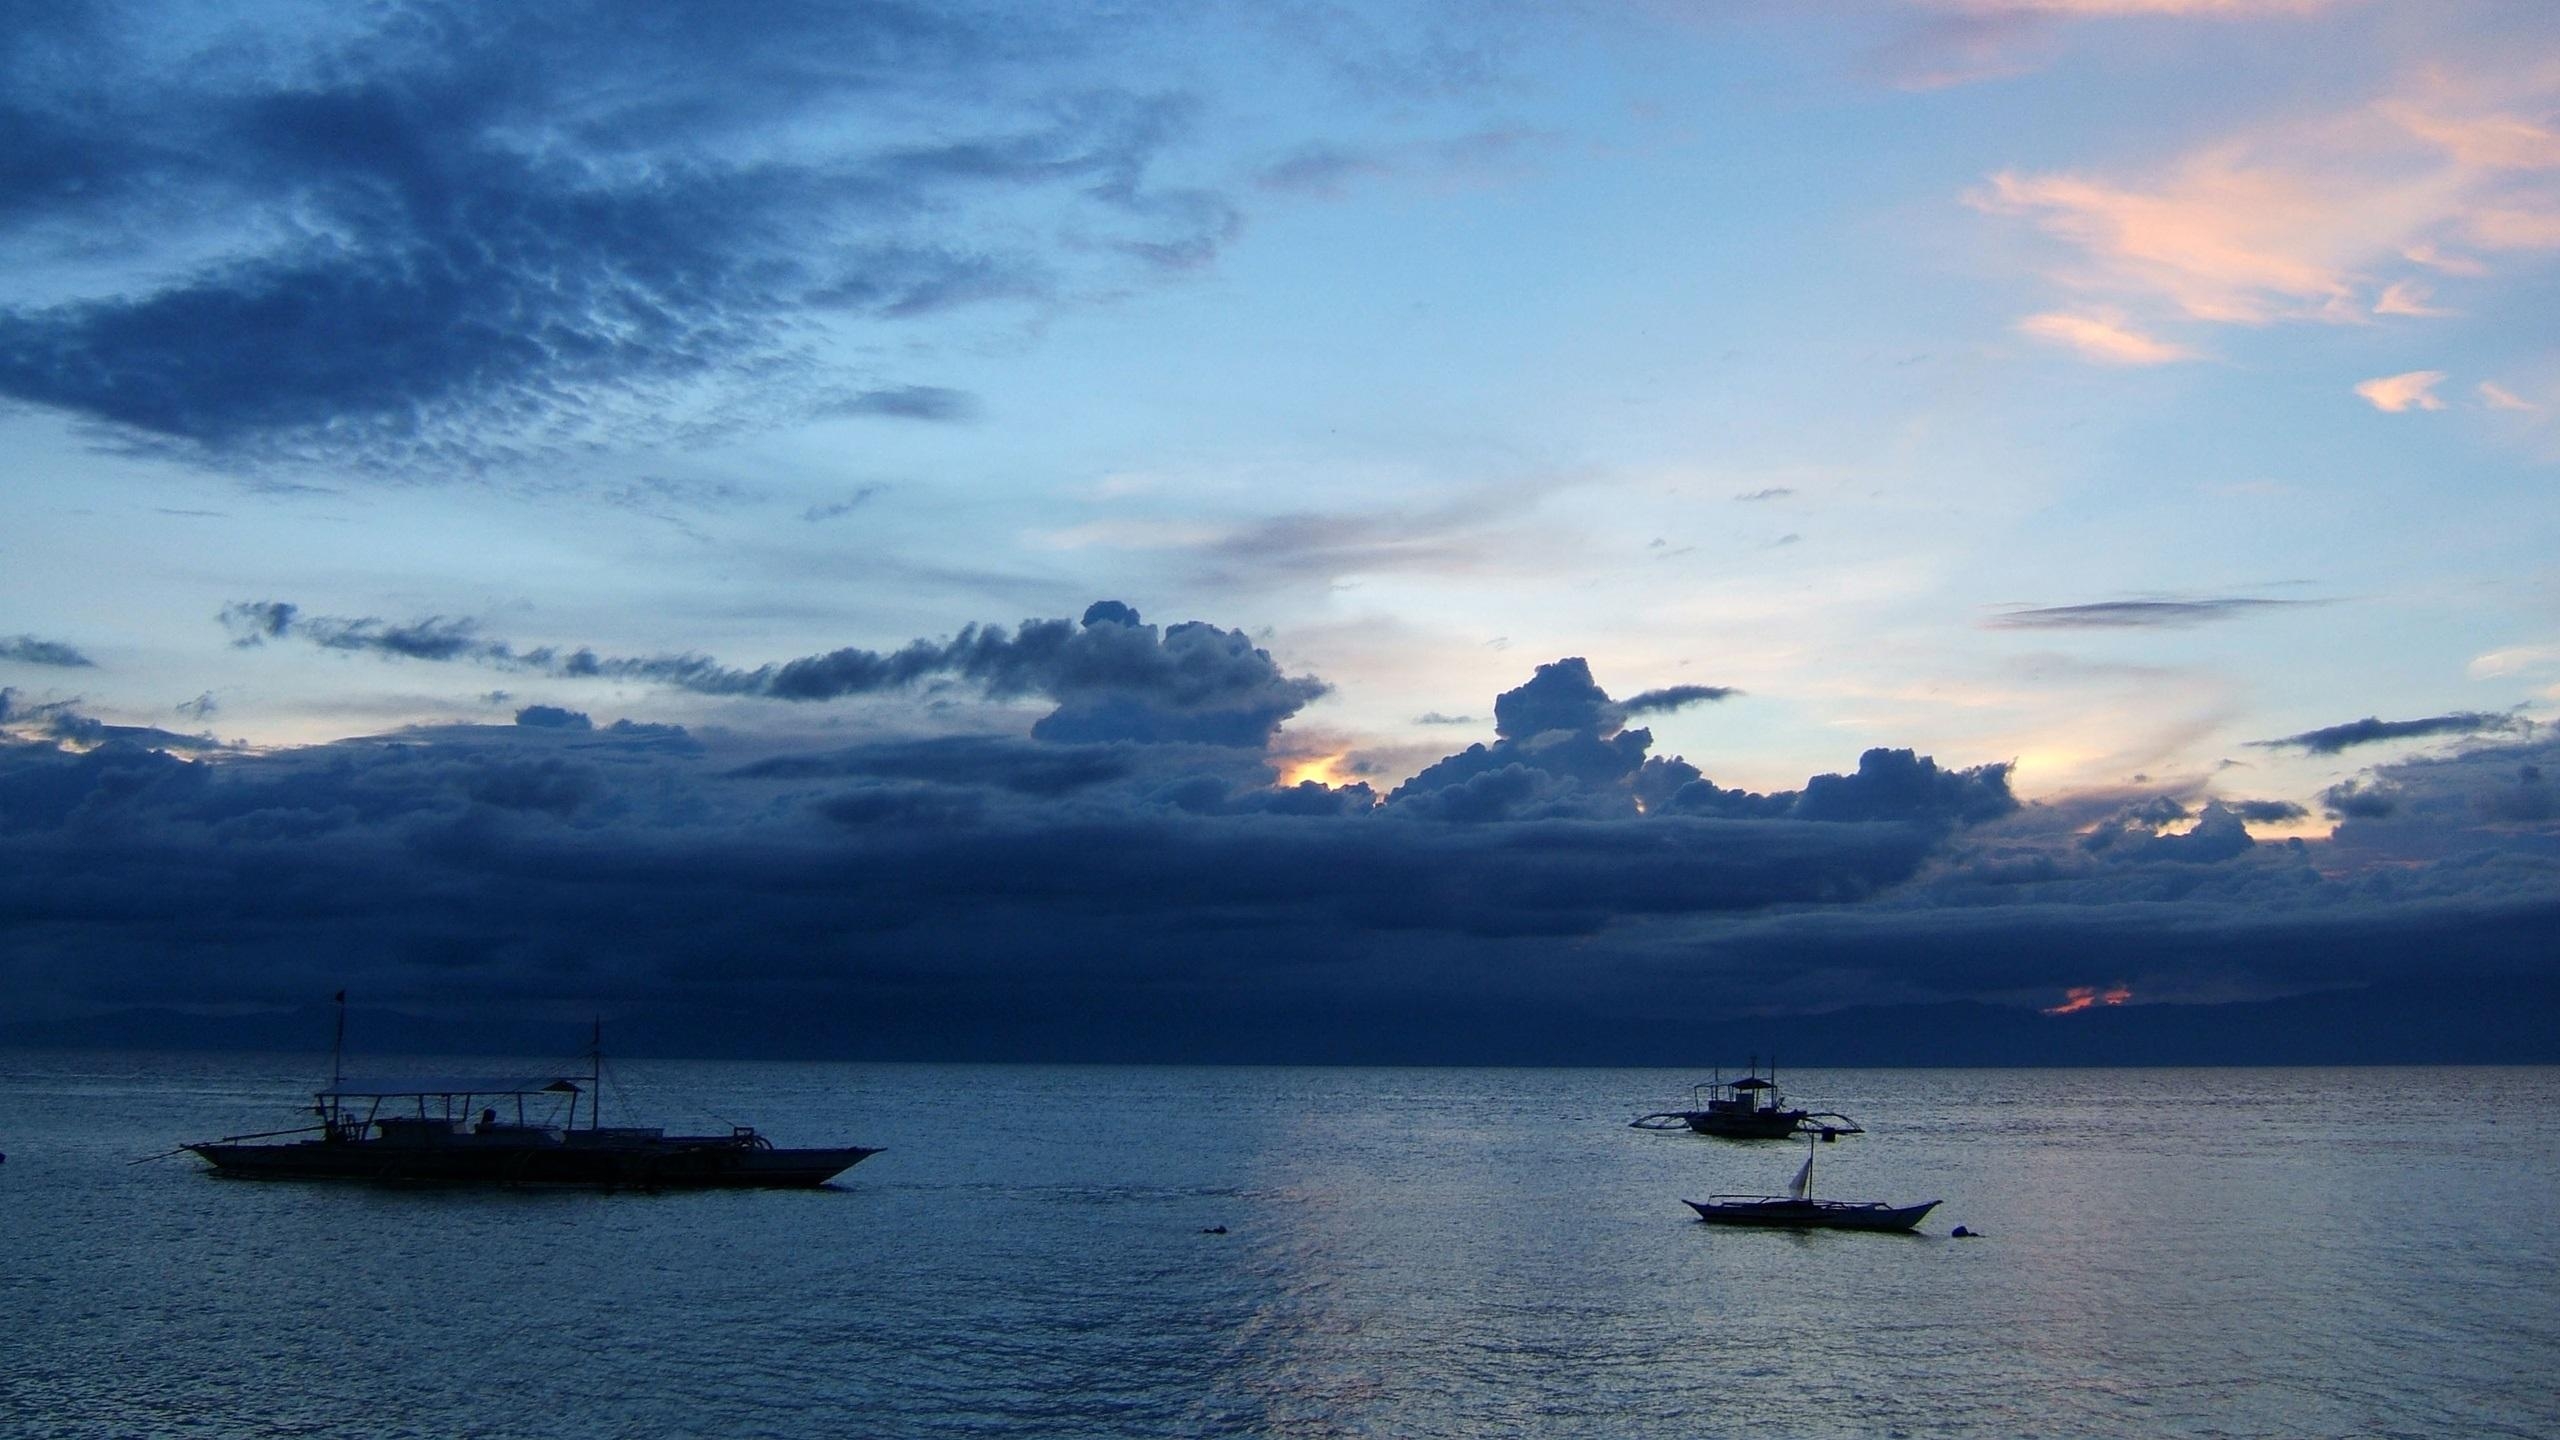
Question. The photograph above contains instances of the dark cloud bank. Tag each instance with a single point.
(1127, 882)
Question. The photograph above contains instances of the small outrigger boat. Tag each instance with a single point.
(423, 1131)
(1798, 1210)
(1750, 1108)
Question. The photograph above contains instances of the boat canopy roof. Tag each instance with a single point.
(452, 1085)
(1754, 1082)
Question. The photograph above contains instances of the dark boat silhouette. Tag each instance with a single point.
(1798, 1210)
(1751, 1108)
(422, 1131)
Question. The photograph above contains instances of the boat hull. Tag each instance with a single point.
(1811, 1214)
(1752, 1125)
(717, 1165)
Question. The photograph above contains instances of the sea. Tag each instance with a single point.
(1097, 1251)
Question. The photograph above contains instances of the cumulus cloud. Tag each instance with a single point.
(1111, 897)
(1564, 752)
(2329, 740)
(1112, 676)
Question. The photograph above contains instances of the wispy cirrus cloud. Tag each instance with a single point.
(2103, 336)
(2136, 614)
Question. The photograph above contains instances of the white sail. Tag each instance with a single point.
(1801, 1187)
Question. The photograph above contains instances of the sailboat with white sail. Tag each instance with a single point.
(1798, 1210)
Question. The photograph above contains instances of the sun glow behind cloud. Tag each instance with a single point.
(2085, 997)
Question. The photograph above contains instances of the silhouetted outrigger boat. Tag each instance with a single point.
(423, 1131)
(1750, 1108)
(1798, 1210)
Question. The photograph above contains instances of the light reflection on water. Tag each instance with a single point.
(1409, 1252)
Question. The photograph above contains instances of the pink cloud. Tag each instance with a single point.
(2308, 220)
(2499, 397)
(2407, 297)
(2393, 394)
(2104, 336)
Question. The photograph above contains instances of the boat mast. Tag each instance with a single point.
(338, 1044)
(595, 1075)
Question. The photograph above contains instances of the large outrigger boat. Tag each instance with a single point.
(526, 1132)
(1751, 1108)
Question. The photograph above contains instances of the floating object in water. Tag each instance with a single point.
(429, 1135)
(1750, 1108)
(1798, 1210)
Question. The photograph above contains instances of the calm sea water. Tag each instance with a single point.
(1408, 1253)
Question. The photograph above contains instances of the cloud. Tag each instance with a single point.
(2499, 397)
(2135, 614)
(1675, 697)
(540, 227)
(837, 508)
(2369, 731)
(2392, 394)
(1563, 752)
(57, 722)
(907, 402)
(1773, 492)
(2305, 220)
(2513, 660)
(2105, 337)
(28, 650)
(1003, 896)
(1112, 677)
(1328, 170)
(2407, 297)
(2266, 812)
(552, 717)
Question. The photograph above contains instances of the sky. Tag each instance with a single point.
(1170, 528)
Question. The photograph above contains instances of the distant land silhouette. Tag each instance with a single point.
(2412, 1023)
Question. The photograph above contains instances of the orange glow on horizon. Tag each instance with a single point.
(1325, 770)
(2082, 997)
